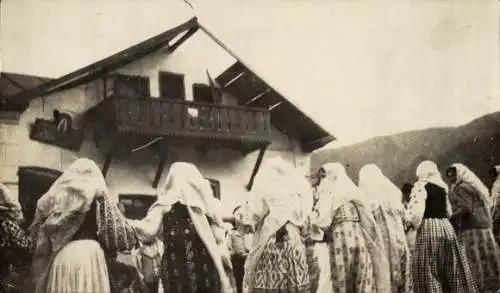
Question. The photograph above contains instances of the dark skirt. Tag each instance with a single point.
(187, 266)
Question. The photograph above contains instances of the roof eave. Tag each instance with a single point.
(311, 146)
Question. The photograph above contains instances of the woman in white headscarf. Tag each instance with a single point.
(278, 211)
(389, 213)
(471, 203)
(195, 257)
(353, 260)
(75, 227)
(439, 262)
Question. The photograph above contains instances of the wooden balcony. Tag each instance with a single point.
(178, 119)
(118, 119)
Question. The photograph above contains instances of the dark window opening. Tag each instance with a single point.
(136, 206)
(171, 86)
(202, 93)
(215, 184)
(127, 85)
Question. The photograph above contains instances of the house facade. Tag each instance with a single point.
(179, 96)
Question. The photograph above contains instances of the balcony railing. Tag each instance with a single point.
(178, 118)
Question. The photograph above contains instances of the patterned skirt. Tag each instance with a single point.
(187, 266)
(282, 268)
(79, 267)
(397, 250)
(439, 264)
(350, 261)
(483, 254)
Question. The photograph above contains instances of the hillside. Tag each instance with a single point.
(476, 144)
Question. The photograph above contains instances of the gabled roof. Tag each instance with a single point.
(20, 101)
(238, 80)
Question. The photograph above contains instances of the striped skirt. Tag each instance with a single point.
(79, 267)
(439, 262)
(483, 254)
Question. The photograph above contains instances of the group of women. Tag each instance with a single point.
(333, 237)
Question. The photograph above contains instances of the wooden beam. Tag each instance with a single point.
(258, 96)
(161, 166)
(234, 79)
(182, 39)
(256, 167)
(109, 157)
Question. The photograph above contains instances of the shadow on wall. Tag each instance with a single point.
(476, 144)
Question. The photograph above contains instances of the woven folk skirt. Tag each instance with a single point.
(79, 267)
(439, 262)
(282, 268)
(483, 255)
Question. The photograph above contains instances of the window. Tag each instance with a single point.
(215, 184)
(171, 85)
(202, 93)
(136, 206)
(128, 85)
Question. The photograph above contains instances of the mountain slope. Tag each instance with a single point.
(476, 144)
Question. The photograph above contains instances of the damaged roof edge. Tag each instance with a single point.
(21, 100)
(308, 146)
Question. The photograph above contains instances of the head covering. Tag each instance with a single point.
(376, 186)
(61, 211)
(9, 207)
(185, 184)
(338, 185)
(428, 172)
(465, 175)
(337, 189)
(286, 196)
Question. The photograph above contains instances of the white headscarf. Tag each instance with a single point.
(185, 184)
(428, 172)
(376, 186)
(465, 175)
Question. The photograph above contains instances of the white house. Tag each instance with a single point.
(137, 111)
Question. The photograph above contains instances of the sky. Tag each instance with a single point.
(359, 68)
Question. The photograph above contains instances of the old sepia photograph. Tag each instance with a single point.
(249, 146)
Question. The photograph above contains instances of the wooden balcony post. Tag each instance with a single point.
(161, 166)
(256, 167)
(109, 157)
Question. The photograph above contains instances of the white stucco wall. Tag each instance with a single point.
(135, 174)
